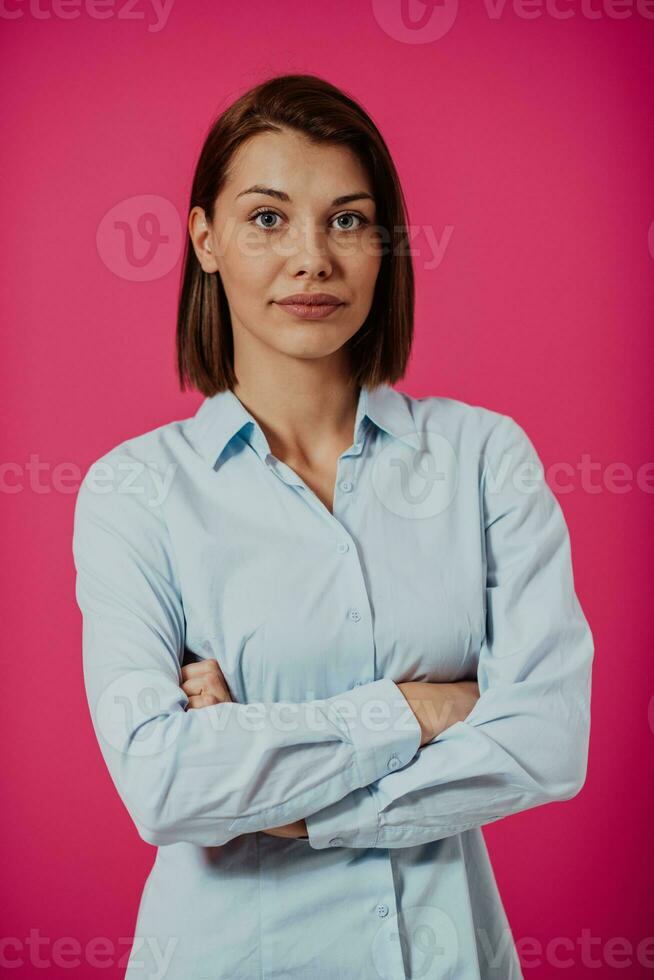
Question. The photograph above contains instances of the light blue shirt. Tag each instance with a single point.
(446, 557)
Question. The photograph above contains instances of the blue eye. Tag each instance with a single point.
(348, 214)
(271, 227)
(259, 214)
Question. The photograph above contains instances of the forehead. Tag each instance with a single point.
(292, 163)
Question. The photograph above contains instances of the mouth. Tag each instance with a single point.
(310, 306)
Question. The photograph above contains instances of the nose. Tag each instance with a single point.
(308, 251)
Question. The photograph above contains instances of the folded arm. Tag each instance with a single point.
(206, 776)
(525, 742)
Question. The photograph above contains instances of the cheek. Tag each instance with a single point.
(248, 284)
(248, 260)
(252, 273)
(363, 268)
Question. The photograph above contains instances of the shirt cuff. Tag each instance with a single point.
(381, 725)
(350, 822)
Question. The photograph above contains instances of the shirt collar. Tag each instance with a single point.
(222, 416)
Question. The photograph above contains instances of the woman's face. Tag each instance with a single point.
(300, 239)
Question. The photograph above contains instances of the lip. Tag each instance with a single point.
(311, 299)
(311, 306)
(314, 312)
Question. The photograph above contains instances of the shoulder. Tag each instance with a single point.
(125, 482)
(451, 411)
(154, 447)
(466, 423)
(481, 441)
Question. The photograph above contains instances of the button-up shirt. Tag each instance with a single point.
(445, 556)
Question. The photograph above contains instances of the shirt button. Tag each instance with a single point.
(393, 762)
(342, 547)
(336, 841)
(346, 486)
(355, 615)
(270, 459)
(382, 910)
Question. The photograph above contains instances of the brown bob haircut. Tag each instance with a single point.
(380, 349)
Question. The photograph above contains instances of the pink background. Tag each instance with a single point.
(525, 144)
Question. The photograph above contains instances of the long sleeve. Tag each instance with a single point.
(203, 776)
(525, 743)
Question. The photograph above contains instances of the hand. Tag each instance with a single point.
(297, 829)
(439, 705)
(204, 684)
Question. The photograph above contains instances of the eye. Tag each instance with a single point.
(352, 214)
(269, 226)
(265, 213)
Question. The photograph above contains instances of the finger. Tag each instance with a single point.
(202, 686)
(201, 701)
(209, 666)
(195, 685)
(195, 670)
(211, 685)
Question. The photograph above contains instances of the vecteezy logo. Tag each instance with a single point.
(127, 714)
(140, 238)
(431, 942)
(415, 21)
(650, 239)
(416, 481)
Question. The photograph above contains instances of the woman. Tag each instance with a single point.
(329, 630)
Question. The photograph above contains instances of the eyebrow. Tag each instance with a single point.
(282, 196)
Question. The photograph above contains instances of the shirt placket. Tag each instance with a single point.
(382, 909)
(358, 612)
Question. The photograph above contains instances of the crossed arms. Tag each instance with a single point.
(353, 776)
